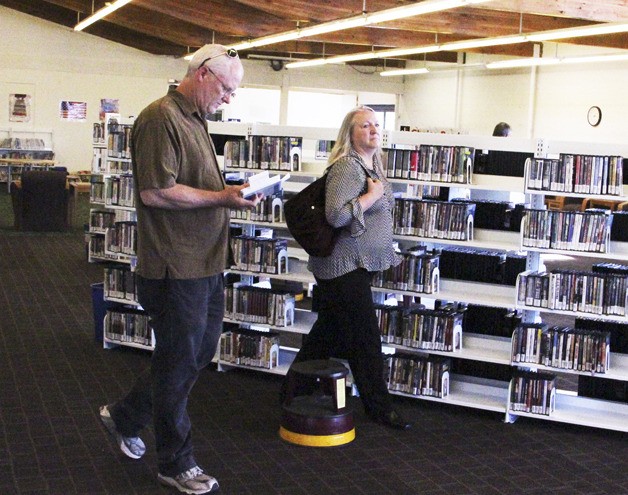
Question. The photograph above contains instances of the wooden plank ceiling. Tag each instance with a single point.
(176, 27)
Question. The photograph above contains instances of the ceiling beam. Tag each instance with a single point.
(225, 16)
(593, 11)
(174, 27)
(50, 12)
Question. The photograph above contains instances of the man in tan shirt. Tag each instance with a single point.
(182, 250)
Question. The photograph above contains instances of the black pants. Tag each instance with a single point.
(347, 328)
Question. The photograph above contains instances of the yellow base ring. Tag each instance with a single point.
(317, 440)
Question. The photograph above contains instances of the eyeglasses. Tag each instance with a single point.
(231, 53)
(226, 90)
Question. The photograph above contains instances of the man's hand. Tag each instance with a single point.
(235, 199)
(180, 197)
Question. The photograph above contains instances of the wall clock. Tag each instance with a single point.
(594, 116)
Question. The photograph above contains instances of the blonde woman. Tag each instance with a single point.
(359, 200)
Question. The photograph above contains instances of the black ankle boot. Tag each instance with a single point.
(391, 418)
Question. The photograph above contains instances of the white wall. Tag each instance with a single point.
(569, 96)
(430, 101)
(492, 97)
(302, 106)
(549, 102)
(53, 63)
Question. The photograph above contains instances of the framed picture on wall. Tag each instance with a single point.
(108, 105)
(19, 107)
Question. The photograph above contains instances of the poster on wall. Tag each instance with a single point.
(75, 111)
(19, 107)
(108, 105)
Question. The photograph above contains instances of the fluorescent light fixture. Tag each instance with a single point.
(403, 72)
(522, 62)
(591, 30)
(483, 42)
(431, 70)
(330, 27)
(340, 59)
(401, 52)
(310, 63)
(531, 62)
(512, 63)
(267, 40)
(617, 57)
(273, 57)
(418, 8)
(411, 10)
(99, 14)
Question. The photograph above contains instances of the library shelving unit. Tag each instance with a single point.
(468, 391)
(112, 234)
(24, 150)
(289, 270)
(570, 408)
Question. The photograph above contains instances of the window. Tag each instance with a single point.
(318, 109)
(254, 105)
(385, 115)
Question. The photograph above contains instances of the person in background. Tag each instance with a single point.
(502, 129)
(359, 200)
(183, 248)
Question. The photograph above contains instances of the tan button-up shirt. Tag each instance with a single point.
(170, 145)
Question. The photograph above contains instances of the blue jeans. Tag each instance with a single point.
(186, 316)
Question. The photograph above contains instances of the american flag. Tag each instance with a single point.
(73, 110)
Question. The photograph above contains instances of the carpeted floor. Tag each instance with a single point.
(54, 376)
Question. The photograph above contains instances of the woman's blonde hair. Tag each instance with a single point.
(343, 142)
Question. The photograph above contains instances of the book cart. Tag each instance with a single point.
(455, 389)
(112, 235)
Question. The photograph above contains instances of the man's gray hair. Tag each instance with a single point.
(212, 52)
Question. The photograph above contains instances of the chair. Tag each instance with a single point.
(563, 203)
(608, 204)
(623, 206)
(40, 201)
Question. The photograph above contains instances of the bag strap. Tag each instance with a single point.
(366, 172)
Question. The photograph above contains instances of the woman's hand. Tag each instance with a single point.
(374, 191)
(375, 187)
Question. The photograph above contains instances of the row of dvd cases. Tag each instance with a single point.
(511, 399)
(112, 235)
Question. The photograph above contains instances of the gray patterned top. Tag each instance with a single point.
(366, 237)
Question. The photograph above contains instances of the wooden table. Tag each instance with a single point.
(76, 188)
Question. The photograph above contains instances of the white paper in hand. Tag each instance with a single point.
(264, 183)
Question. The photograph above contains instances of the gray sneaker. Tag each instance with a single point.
(192, 481)
(132, 447)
